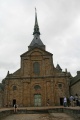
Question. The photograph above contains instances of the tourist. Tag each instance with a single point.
(65, 102)
(68, 102)
(71, 100)
(76, 99)
(74, 102)
(79, 100)
(48, 102)
(15, 108)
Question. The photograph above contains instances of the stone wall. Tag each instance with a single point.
(5, 113)
(19, 86)
(75, 88)
(24, 92)
(1, 98)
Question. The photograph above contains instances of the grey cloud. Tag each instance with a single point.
(59, 27)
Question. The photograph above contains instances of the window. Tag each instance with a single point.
(36, 68)
(37, 87)
(14, 88)
(60, 85)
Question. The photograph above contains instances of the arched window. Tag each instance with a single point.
(37, 87)
(36, 68)
(14, 87)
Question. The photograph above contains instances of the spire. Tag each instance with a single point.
(7, 73)
(36, 42)
(36, 22)
(36, 27)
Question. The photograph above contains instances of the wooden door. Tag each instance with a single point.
(37, 100)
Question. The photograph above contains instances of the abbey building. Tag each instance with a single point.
(37, 82)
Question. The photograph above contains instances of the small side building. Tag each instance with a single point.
(75, 84)
(1, 95)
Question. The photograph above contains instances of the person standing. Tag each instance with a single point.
(79, 100)
(71, 101)
(68, 102)
(76, 99)
(65, 102)
(48, 102)
(15, 108)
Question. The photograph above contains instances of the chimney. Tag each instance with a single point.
(66, 70)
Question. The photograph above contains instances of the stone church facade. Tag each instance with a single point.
(37, 82)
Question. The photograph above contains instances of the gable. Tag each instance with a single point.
(36, 61)
(36, 51)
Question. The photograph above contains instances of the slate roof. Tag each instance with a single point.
(58, 67)
(75, 79)
(36, 42)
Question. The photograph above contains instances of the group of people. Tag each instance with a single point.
(72, 101)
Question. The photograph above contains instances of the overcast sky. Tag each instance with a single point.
(59, 23)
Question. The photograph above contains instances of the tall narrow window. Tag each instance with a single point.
(36, 68)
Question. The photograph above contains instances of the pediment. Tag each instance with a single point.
(36, 51)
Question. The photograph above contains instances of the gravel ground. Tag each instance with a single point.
(52, 116)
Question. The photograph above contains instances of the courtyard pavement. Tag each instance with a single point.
(44, 116)
(55, 116)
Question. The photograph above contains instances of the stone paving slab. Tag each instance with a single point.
(61, 116)
(53, 116)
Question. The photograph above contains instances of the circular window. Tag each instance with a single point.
(37, 87)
